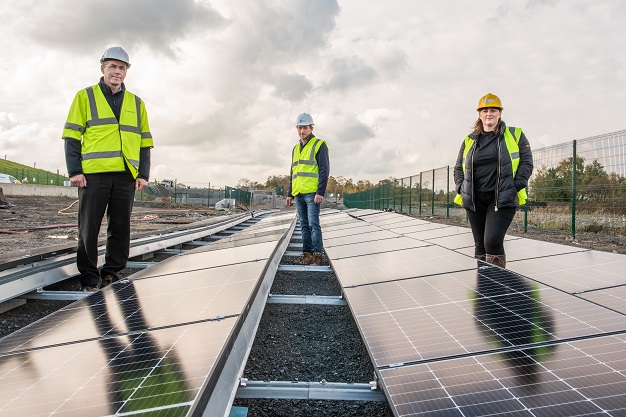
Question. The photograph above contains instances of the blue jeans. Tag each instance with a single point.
(309, 215)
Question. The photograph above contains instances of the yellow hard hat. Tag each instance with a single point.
(489, 100)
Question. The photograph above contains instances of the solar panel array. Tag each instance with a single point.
(450, 336)
(148, 346)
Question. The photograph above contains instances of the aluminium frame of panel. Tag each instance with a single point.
(24, 279)
(219, 391)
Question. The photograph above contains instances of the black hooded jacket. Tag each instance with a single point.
(506, 191)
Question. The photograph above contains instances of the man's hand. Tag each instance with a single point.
(79, 181)
(318, 199)
(140, 183)
(289, 201)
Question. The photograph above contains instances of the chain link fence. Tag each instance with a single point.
(231, 198)
(579, 186)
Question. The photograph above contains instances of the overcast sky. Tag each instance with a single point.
(392, 85)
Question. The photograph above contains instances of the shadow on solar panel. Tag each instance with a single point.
(142, 375)
(509, 313)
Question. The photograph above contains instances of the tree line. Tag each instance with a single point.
(336, 185)
(592, 182)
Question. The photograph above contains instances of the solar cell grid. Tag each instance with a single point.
(149, 371)
(142, 304)
(613, 298)
(522, 248)
(569, 379)
(396, 221)
(575, 272)
(450, 339)
(359, 238)
(439, 232)
(348, 231)
(343, 223)
(416, 228)
(469, 312)
(371, 267)
(462, 240)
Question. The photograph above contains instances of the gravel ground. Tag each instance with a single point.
(309, 343)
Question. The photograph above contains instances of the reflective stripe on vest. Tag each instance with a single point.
(109, 146)
(305, 172)
(512, 136)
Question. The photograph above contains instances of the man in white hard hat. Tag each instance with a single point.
(107, 152)
(309, 173)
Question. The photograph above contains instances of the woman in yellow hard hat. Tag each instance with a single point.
(491, 175)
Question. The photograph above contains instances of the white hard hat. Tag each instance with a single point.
(304, 119)
(116, 53)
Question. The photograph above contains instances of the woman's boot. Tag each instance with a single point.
(497, 260)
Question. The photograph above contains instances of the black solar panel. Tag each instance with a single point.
(519, 249)
(613, 298)
(450, 339)
(160, 371)
(369, 264)
(576, 272)
(156, 301)
(578, 378)
(359, 238)
(469, 312)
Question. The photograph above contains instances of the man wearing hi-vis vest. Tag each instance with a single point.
(310, 168)
(107, 152)
(491, 175)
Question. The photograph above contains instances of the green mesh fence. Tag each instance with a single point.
(576, 186)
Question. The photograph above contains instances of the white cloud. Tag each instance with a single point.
(392, 86)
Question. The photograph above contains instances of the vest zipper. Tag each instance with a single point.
(498, 178)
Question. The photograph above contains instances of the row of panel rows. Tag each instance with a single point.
(450, 336)
(144, 346)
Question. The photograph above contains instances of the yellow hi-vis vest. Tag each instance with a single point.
(108, 145)
(511, 141)
(304, 169)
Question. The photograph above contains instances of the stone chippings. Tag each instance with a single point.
(309, 343)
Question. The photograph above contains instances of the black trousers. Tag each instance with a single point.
(489, 226)
(114, 194)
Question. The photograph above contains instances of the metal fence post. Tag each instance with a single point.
(410, 193)
(448, 194)
(574, 189)
(421, 190)
(432, 200)
(401, 193)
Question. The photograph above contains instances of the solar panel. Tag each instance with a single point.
(160, 371)
(469, 312)
(359, 238)
(613, 298)
(359, 249)
(462, 240)
(522, 248)
(369, 264)
(584, 377)
(354, 230)
(406, 229)
(575, 272)
(450, 339)
(439, 232)
(394, 221)
(158, 300)
(148, 346)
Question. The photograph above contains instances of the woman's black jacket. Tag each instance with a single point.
(506, 193)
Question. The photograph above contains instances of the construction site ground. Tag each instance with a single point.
(37, 221)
